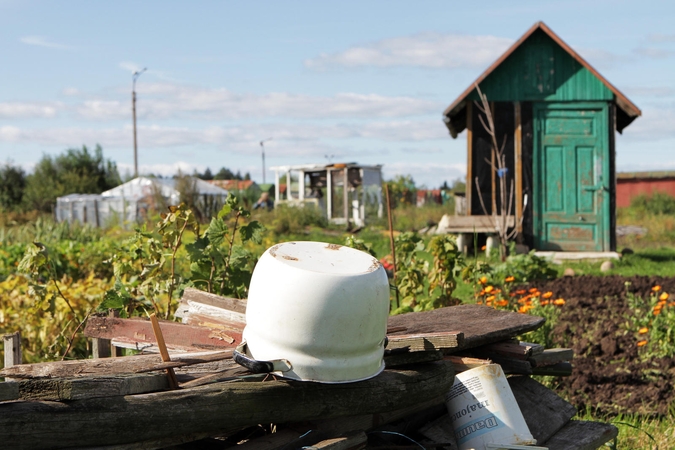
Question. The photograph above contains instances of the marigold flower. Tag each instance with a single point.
(657, 311)
(548, 294)
(509, 279)
(663, 297)
(520, 291)
(544, 302)
(483, 248)
(489, 289)
(525, 308)
(482, 292)
(643, 330)
(533, 290)
(512, 294)
(642, 343)
(656, 288)
(483, 280)
(490, 298)
(559, 301)
(502, 303)
(479, 303)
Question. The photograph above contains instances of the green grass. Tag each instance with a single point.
(647, 261)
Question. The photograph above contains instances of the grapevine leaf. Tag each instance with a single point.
(252, 231)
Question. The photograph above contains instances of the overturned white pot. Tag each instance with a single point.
(317, 312)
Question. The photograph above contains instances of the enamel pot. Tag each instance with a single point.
(316, 312)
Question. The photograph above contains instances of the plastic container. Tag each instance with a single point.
(484, 411)
(321, 309)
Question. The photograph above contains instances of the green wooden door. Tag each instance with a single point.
(571, 176)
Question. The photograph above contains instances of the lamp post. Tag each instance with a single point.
(262, 146)
(133, 109)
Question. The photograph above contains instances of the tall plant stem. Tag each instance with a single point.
(172, 285)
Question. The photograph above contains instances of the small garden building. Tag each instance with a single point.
(556, 117)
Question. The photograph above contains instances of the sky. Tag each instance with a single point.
(348, 81)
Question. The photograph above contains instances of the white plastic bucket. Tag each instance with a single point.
(484, 412)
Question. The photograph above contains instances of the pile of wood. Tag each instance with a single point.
(194, 396)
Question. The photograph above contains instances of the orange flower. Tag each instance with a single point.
(525, 308)
(483, 280)
(533, 290)
(559, 301)
(520, 291)
(642, 343)
(482, 292)
(509, 279)
(548, 294)
(502, 303)
(544, 302)
(512, 294)
(663, 297)
(657, 311)
(479, 303)
(490, 298)
(483, 248)
(643, 330)
(489, 289)
(536, 294)
(656, 288)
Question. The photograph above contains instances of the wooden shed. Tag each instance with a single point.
(556, 115)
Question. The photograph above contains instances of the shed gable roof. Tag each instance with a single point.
(562, 75)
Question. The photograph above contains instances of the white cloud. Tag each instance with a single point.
(430, 50)
(42, 41)
(170, 100)
(656, 123)
(70, 91)
(28, 110)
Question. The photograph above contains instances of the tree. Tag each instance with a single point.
(12, 186)
(224, 174)
(75, 171)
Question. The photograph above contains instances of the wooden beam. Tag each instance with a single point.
(582, 435)
(405, 358)
(424, 342)
(112, 366)
(551, 356)
(513, 349)
(60, 389)
(518, 162)
(480, 324)
(469, 156)
(163, 352)
(12, 344)
(544, 411)
(9, 390)
(493, 161)
(178, 336)
(213, 409)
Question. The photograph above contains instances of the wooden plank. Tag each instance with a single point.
(9, 390)
(351, 441)
(424, 342)
(551, 356)
(513, 349)
(59, 389)
(582, 435)
(163, 352)
(406, 358)
(463, 363)
(213, 408)
(12, 344)
(177, 335)
(112, 366)
(480, 324)
(206, 298)
(561, 369)
(544, 411)
(101, 348)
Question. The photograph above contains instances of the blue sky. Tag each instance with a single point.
(346, 81)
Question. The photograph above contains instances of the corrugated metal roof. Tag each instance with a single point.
(628, 107)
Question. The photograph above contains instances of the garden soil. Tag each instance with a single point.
(609, 372)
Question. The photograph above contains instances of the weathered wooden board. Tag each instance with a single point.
(112, 366)
(351, 441)
(9, 390)
(213, 408)
(463, 363)
(226, 303)
(561, 369)
(551, 356)
(59, 389)
(213, 311)
(176, 335)
(513, 348)
(544, 411)
(423, 342)
(406, 358)
(582, 435)
(480, 324)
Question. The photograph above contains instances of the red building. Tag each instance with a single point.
(632, 184)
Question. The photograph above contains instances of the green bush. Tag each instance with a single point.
(658, 203)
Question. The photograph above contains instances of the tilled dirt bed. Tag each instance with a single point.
(608, 373)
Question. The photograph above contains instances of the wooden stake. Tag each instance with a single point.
(391, 241)
(173, 382)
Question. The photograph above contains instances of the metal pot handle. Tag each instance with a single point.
(255, 366)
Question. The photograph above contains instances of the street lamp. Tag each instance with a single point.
(133, 109)
(262, 146)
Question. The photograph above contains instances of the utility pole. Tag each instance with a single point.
(262, 146)
(133, 109)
